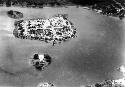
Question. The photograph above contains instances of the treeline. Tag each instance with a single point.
(50, 2)
(55, 2)
(33, 3)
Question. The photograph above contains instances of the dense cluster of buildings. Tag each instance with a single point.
(56, 29)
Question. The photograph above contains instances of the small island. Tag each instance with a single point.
(14, 14)
(41, 61)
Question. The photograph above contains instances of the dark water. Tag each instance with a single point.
(93, 56)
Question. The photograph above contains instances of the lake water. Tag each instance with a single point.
(92, 56)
